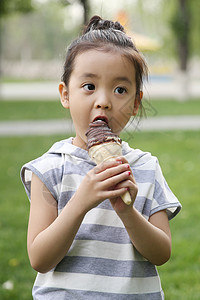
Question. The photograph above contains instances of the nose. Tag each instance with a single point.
(103, 102)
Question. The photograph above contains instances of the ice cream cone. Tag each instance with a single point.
(105, 151)
(108, 151)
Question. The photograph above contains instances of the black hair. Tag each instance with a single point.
(107, 36)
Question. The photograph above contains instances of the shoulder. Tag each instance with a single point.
(154, 193)
(138, 158)
(48, 168)
(50, 159)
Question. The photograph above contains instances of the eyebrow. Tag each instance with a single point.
(119, 78)
(89, 75)
(123, 78)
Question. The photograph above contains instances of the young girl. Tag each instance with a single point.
(83, 240)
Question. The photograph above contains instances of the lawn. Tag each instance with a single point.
(179, 156)
(34, 110)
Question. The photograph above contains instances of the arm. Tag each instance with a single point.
(49, 235)
(151, 238)
(45, 242)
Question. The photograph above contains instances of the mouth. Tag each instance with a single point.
(101, 118)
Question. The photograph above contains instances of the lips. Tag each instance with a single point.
(102, 118)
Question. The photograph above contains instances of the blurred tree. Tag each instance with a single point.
(10, 6)
(195, 27)
(40, 35)
(183, 17)
(85, 5)
(185, 25)
(86, 8)
(180, 24)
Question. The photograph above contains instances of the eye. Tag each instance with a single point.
(120, 90)
(89, 87)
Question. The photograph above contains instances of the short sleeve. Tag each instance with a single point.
(163, 198)
(48, 170)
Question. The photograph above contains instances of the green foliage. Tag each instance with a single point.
(49, 28)
(11, 6)
(43, 34)
(179, 26)
(195, 27)
(178, 153)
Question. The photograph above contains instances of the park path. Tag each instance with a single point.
(62, 126)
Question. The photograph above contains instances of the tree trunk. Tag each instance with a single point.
(180, 26)
(183, 39)
(85, 5)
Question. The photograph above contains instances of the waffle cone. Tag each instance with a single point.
(105, 151)
(108, 151)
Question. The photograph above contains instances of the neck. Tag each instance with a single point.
(78, 142)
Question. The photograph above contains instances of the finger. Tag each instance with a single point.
(105, 165)
(113, 171)
(132, 178)
(115, 193)
(125, 161)
(116, 179)
(128, 184)
(122, 159)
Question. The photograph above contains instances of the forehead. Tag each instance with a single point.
(111, 62)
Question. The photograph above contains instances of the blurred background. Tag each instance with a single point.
(34, 35)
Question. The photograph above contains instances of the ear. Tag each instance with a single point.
(137, 102)
(64, 95)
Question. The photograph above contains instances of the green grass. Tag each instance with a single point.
(171, 107)
(179, 156)
(35, 110)
(32, 110)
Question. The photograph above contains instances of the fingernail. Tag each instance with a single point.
(129, 173)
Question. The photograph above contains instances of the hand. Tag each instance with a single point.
(104, 181)
(130, 184)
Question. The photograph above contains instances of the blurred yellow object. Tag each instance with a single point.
(142, 42)
(122, 17)
(13, 262)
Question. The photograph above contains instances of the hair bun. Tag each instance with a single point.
(97, 23)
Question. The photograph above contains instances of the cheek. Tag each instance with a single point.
(125, 111)
(121, 116)
(119, 122)
(80, 115)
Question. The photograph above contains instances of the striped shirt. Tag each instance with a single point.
(101, 263)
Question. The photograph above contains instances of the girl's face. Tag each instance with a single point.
(102, 84)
